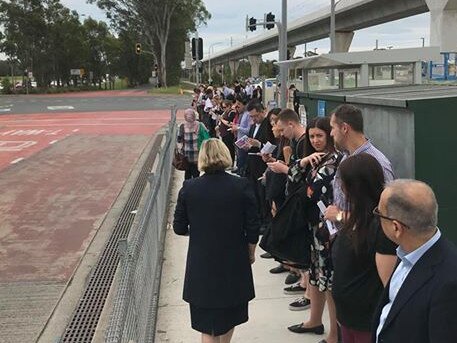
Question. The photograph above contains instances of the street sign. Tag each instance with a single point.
(321, 108)
(75, 72)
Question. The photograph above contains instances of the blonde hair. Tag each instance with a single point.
(214, 156)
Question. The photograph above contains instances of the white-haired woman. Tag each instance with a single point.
(219, 213)
(188, 137)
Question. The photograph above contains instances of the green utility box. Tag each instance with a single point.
(415, 127)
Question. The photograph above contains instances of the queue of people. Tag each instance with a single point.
(328, 208)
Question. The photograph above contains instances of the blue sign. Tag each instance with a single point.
(321, 108)
(269, 84)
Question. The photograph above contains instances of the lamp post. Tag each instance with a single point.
(333, 4)
(283, 70)
(210, 79)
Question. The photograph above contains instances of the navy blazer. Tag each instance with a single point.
(256, 166)
(219, 212)
(425, 308)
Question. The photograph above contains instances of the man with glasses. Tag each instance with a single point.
(419, 303)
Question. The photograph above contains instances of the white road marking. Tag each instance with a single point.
(53, 142)
(75, 130)
(56, 108)
(17, 160)
(5, 109)
(15, 145)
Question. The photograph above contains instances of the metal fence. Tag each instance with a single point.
(135, 305)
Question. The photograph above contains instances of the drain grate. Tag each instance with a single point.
(85, 318)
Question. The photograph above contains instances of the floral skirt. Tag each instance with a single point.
(321, 269)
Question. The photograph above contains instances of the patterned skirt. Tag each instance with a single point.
(321, 269)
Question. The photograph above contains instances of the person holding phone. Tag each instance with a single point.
(324, 163)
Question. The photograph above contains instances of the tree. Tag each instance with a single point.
(153, 21)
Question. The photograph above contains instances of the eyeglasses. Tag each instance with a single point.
(378, 214)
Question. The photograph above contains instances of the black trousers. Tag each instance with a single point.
(229, 141)
(191, 171)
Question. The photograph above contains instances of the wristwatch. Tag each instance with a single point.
(339, 216)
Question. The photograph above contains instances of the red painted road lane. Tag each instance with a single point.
(53, 204)
(21, 136)
(55, 199)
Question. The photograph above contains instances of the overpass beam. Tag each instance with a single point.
(234, 64)
(255, 60)
(343, 40)
(443, 24)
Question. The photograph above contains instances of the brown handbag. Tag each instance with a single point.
(180, 161)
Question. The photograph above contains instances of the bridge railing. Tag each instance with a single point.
(134, 310)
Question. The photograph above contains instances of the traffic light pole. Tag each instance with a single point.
(282, 48)
(197, 60)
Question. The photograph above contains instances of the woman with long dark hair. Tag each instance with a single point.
(363, 256)
(323, 162)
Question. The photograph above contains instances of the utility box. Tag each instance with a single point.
(414, 126)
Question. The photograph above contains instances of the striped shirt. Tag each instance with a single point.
(367, 148)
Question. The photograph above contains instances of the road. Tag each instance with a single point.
(65, 162)
(125, 100)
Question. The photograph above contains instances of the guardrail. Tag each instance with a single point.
(134, 313)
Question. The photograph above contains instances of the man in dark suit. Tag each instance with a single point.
(260, 133)
(419, 303)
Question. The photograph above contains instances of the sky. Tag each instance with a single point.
(227, 25)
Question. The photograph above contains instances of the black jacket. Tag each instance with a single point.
(256, 166)
(219, 213)
(424, 310)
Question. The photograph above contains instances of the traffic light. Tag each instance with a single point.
(252, 24)
(288, 54)
(138, 48)
(200, 49)
(270, 19)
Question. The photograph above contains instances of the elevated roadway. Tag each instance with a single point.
(351, 15)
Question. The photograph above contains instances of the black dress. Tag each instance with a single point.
(219, 212)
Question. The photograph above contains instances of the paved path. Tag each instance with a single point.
(268, 312)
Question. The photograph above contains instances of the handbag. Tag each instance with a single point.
(180, 161)
(203, 135)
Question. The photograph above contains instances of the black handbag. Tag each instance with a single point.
(180, 161)
(288, 237)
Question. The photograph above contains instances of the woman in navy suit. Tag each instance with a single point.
(219, 213)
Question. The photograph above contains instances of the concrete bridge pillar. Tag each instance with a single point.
(343, 40)
(234, 64)
(255, 60)
(443, 24)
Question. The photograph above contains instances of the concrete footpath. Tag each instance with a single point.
(269, 315)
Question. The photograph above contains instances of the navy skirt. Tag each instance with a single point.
(217, 321)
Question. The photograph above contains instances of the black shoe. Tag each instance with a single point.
(278, 270)
(292, 278)
(299, 328)
(294, 289)
(300, 304)
(266, 255)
